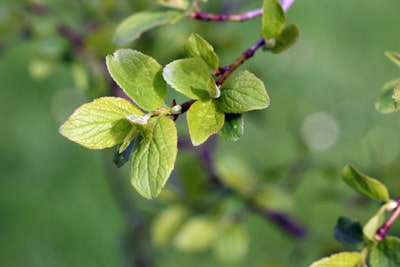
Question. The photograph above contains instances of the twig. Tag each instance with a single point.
(226, 71)
(204, 16)
(382, 231)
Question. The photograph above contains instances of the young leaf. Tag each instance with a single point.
(273, 19)
(204, 119)
(343, 259)
(198, 234)
(196, 46)
(242, 92)
(374, 223)
(285, 39)
(139, 76)
(154, 156)
(364, 184)
(101, 123)
(233, 244)
(386, 253)
(132, 27)
(386, 103)
(348, 231)
(396, 96)
(233, 127)
(189, 76)
(393, 56)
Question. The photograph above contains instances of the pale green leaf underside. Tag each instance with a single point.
(189, 76)
(364, 184)
(154, 156)
(100, 124)
(343, 259)
(242, 92)
(140, 76)
(387, 100)
(204, 119)
(285, 39)
(386, 253)
(132, 27)
(374, 223)
(233, 127)
(196, 46)
(273, 19)
(393, 56)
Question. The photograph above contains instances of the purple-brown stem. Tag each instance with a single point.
(204, 16)
(382, 231)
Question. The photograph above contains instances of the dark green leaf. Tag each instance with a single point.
(190, 76)
(285, 39)
(153, 157)
(132, 27)
(233, 127)
(120, 158)
(140, 76)
(196, 46)
(348, 231)
(273, 19)
(364, 184)
(242, 92)
(386, 253)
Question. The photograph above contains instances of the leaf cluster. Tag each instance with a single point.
(377, 250)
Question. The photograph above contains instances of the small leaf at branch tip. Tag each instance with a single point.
(137, 119)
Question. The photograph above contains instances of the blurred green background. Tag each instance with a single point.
(56, 206)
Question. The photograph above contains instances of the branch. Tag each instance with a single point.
(382, 231)
(226, 71)
(204, 16)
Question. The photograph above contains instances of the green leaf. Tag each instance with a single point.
(396, 96)
(387, 100)
(374, 223)
(286, 39)
(348, 231)
(364, 184)
(122, 157)
(177, 4)
(343, 259)
(204, 119)
(167, 223)
(196, 46)
(273, 19)
(393, 56)
(197, 234)
(233, 127)
(139, 76)
(242, 92)
(386, 253)
(189, 76)
(101, 123)
(236, 173)
(232, 246)
(154, 156)
(132, 27)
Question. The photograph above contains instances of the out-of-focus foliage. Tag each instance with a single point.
(56, 205)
